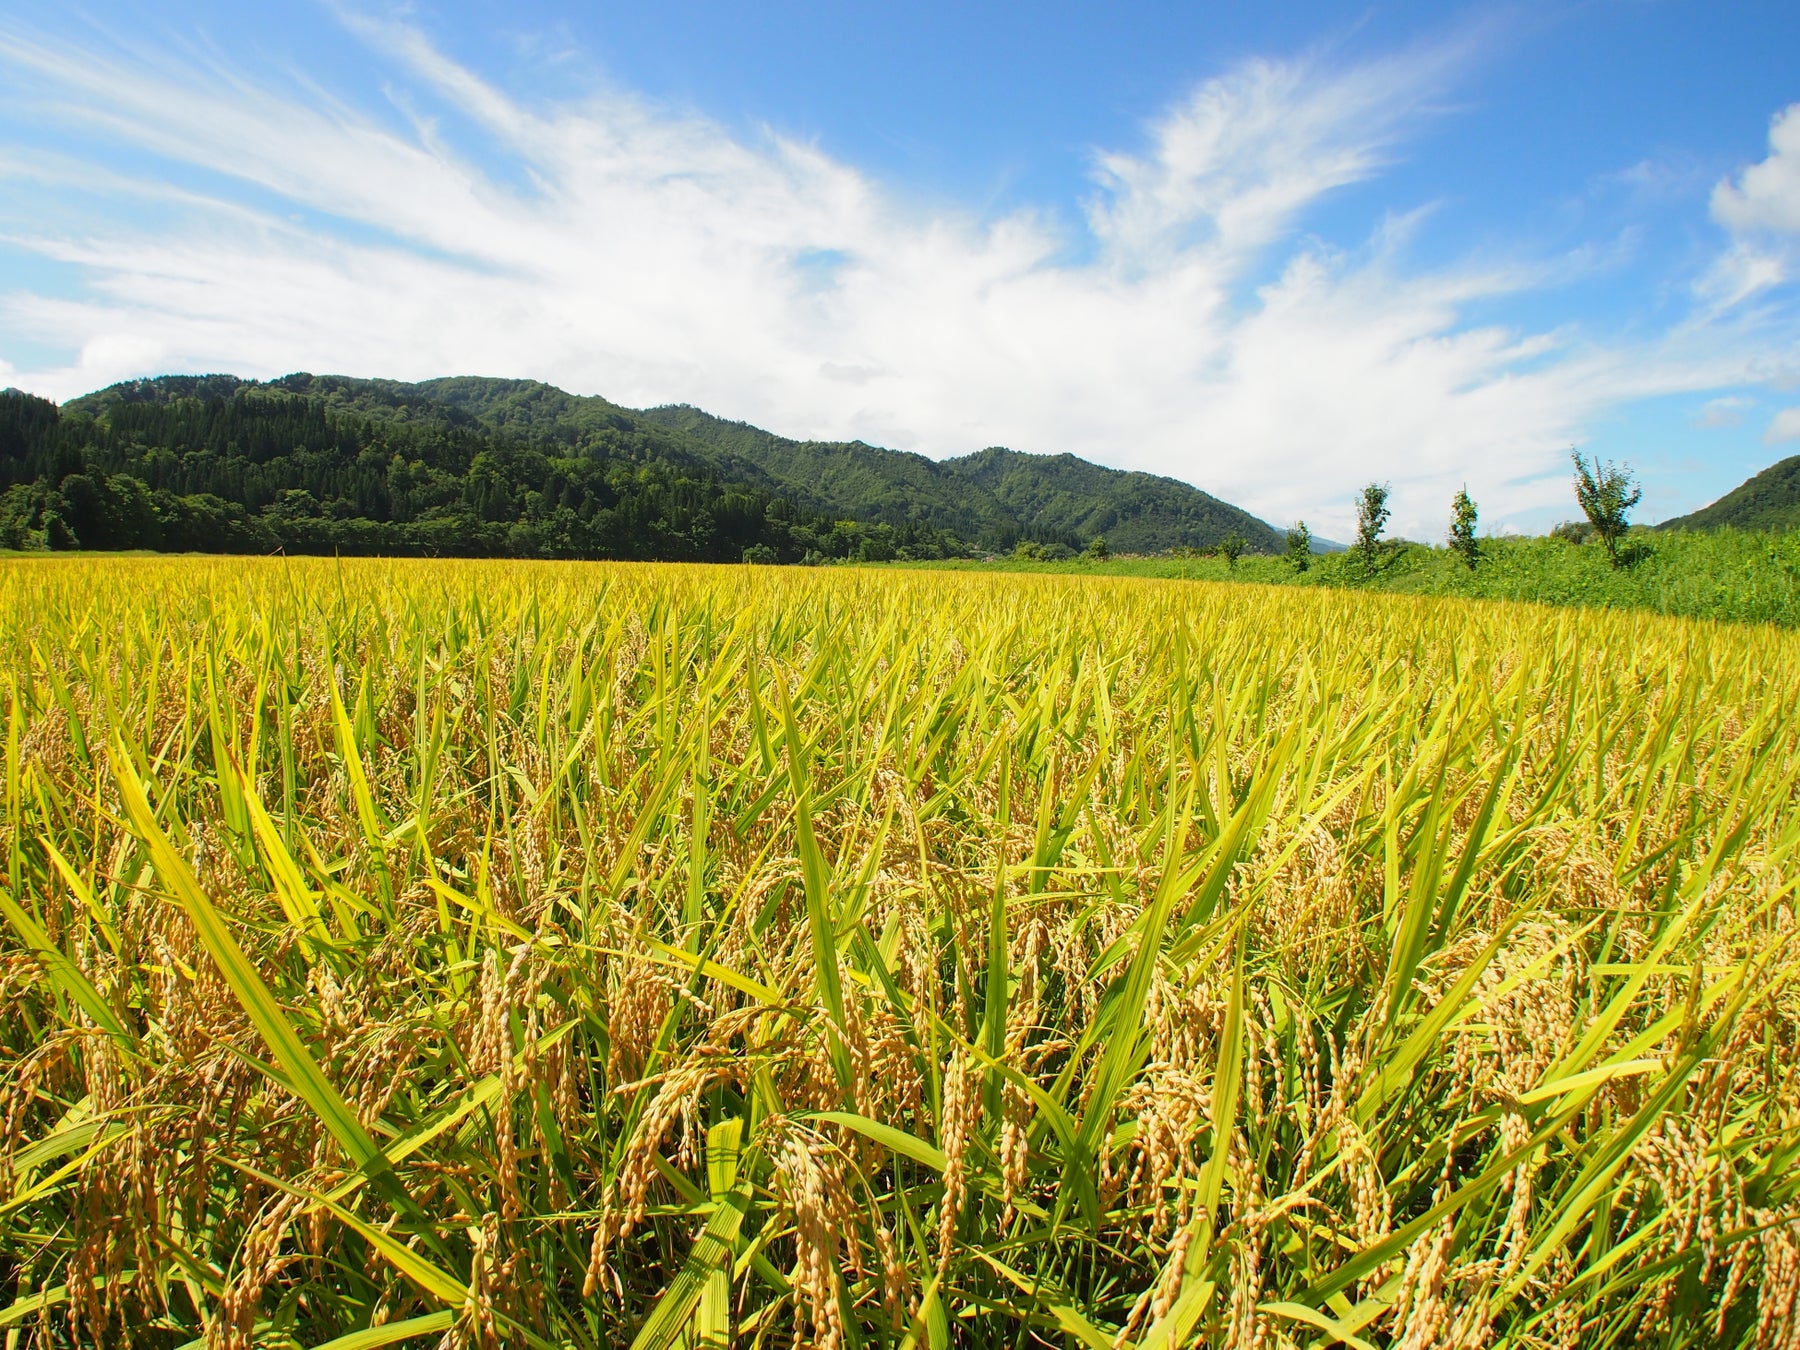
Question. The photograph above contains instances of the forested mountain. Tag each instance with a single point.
(1137, 512)
(1769, 501)
(995, 495)
(475, 466)
(321, 466)
(851, 478)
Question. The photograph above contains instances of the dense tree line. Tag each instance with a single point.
(230, 468)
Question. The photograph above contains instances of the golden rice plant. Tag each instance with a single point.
(475, 954)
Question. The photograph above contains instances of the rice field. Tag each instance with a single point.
(488, 954)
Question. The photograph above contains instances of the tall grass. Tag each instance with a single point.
(539, 955)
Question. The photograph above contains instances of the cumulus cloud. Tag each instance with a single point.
(1766, 196)
(1761, 209)
(1785, 426)
(1178, 323)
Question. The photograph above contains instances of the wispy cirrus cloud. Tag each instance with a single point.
(1177, 322)
(1723, 412)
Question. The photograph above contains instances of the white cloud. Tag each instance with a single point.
(1766, 195)
(1723, 412)
(1232, 166)
(1743, 270)
(1761, 209)
(1785, 426)
(654, 258)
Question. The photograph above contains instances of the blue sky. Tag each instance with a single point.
(1276, 251)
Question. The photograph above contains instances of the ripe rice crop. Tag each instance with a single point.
(556, 955)
(1715, 574)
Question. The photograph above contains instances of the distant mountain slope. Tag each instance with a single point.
(522, 412)
(328, 464)
(542, 414)
(995, 495)
(991, 499)
(1137, 512)
(1769, 501)
(862, 481)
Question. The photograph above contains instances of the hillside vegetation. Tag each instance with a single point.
(328, 465)
(844, 477)
(1768, 501)
(490, 954)
(476, 466)
(994, 496)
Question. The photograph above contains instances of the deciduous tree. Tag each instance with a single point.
(1606, 493)
(1299, 546)
(1371, 518)
(1462, 529)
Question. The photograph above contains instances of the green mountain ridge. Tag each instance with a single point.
(328, 464)
(1135, 511)
(996, 496)
(855, 479)
(1769, 500)
(989, 500)
(526, 412)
